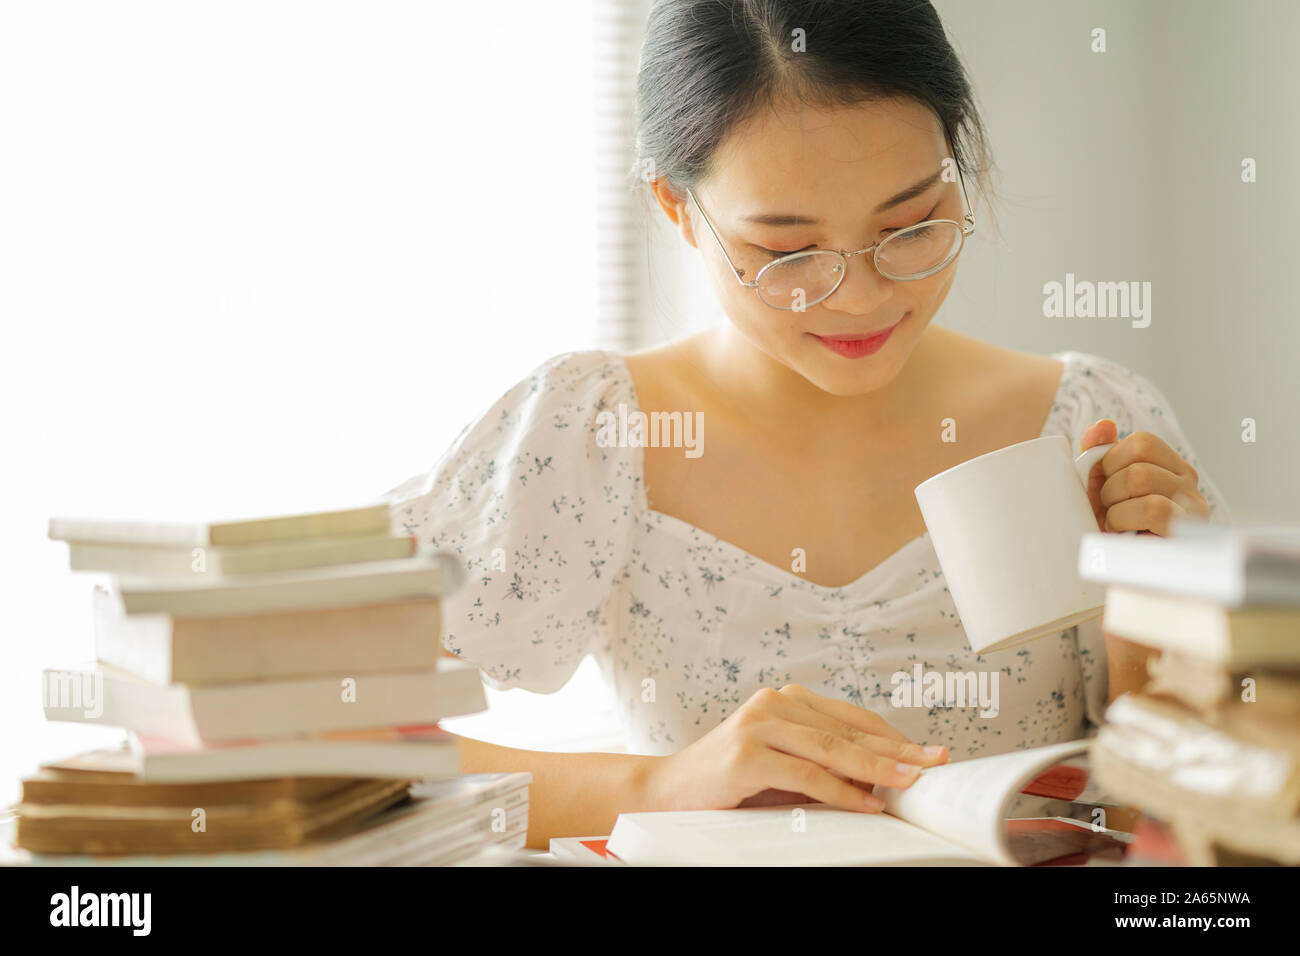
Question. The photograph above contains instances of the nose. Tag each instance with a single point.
(863, 289)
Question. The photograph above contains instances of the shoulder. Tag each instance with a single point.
(1096, 387)
(539, 432)
(564, 393)
(1012, 391)
(555, 405)
(965, 357)
(1081, 380)
(1012, 368)
(554, 409)
(1101, 371)
(667, 375)
(576, 374)
(1111, 389)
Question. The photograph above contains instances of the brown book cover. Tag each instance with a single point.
(104, 777)
(108, 828)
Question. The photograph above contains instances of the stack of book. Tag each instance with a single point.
(78, 807)
(281, 681)
(1210, 749)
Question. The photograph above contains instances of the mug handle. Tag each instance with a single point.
(1083, 465)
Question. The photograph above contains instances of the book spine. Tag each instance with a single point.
(201, 565)
(311, 643)
(263, 710)
(356, 521)
(403, 762)
(274, 646)
(371, 583)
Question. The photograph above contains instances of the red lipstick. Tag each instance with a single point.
(856, 346)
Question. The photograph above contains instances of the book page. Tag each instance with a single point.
(804, 835)
(965, 802)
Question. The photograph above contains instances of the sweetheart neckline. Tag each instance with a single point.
(790, 577)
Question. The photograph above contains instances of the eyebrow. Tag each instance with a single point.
(792, 219)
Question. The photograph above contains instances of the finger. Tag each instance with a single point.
(1098, 433)
(1138, 480)
(904, 750)
(1144, 446)
(1148, 513)
(847, 713)
(833, 752)
(1193, 502)
(785, 772)
(792, 707)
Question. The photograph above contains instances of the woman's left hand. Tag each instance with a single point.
(1141, 483)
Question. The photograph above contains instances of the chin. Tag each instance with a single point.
(849, 385)
(848, 378)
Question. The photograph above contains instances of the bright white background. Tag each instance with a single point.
(257, 256)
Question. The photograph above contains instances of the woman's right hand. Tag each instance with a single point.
(790, 740)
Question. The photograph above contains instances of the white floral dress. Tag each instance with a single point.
(565, 559)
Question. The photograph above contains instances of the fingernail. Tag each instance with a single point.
(872, 803)
(932, 751)
(907, 769)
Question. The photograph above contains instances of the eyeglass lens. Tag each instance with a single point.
(907, 253)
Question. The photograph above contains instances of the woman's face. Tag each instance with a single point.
(838, 169)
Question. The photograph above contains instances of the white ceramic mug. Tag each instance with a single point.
(1006, 527)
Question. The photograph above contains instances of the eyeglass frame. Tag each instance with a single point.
(968, 218)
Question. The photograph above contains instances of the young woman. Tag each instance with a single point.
(749, 599)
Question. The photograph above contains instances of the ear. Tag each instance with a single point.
(675, 206)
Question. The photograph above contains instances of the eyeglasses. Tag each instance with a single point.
(794, 282)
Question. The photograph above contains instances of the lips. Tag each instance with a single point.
(856, 345)
(851, 338)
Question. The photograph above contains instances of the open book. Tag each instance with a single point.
(968, 813)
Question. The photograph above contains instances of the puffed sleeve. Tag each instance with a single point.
(1093, 388)
(540, 513)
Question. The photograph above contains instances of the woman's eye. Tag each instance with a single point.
(929, 215)
(778, 253)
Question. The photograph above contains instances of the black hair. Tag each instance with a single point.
(707, 65)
